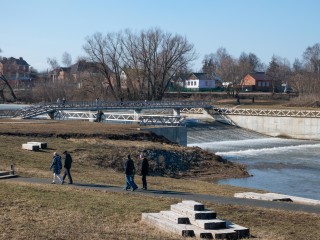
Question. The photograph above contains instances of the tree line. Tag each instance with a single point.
(141, 65)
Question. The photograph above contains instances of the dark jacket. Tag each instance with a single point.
(144, 167)
(67, 161)
(129, 167)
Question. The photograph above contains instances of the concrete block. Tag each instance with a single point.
(31, 147)
(167, 225)
(4, 173)
(175, 217)
(193, 205)
(242, 232)
(187, 230)
(178, 208)
(41, 145)
(277, 197)
(209, 224)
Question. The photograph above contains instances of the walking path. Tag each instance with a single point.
(288, 206)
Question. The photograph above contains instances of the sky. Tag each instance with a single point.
(41, 29)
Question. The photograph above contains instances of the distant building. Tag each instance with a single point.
(16, 71)
(202, 81)
(257, 81)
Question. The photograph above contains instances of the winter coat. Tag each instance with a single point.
(56, 164)
(67, 161)
(144, 167)
(129, 167)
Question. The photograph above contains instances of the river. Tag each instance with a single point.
(286, 166)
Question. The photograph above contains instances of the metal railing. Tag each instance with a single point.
(269, 112)
(39, 109)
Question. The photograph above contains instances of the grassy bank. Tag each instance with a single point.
(37, 211)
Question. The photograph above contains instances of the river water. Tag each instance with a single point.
(285, 166)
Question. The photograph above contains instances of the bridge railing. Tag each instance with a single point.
(269, 112)
(105, 105)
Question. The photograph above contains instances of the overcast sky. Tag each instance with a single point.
(38, 29)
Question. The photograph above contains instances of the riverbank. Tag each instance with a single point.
(28, 209)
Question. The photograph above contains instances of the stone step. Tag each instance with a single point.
(193, 205)
(4, 173)
(167, 225)
(31, 147)
(242, 232)
(41, 145)
(191, 214)
(209, 224)
(175, 217)
(187, 230)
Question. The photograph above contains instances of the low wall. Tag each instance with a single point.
(294, 127)
(174, 134)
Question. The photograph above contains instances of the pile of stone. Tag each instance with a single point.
(191, 219)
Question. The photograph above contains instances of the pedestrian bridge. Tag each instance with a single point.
(90, 110)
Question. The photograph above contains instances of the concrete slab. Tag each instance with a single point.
(179, 208)
(276, 197)
(187, 230)
(3, 173)
(41, 145)
(209, 224)
(167, 225)
(31, 147)
(193, 205)
(175, 217)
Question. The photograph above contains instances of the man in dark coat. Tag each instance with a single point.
(129, 171)
(67, 167)
(144, 170)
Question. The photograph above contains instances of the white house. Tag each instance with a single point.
(198, 81)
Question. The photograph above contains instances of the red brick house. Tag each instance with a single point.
(257, 81)
(17, 71)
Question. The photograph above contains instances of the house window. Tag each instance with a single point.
(259, 84)
(267, 84)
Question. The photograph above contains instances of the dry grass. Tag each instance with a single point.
(60, 212)
(35, 211)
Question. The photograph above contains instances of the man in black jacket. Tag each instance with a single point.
(67, 167)
(144, 170)
(129, 171)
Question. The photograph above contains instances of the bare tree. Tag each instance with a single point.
(312, 57)
(66, 59)
(149, 59)
(53, 63)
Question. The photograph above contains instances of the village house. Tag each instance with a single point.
(202, 81)
(257, 81)
(16, 71)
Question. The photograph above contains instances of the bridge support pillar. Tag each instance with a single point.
(136, 114)
(176, 111)
(51, 114)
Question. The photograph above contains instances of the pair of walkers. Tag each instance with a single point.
(130, 172)
(56, 166)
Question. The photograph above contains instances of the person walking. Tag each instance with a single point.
(56, 165)
(144, 170)
(67, 167)
(129, 171)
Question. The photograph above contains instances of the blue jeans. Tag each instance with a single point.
(130, 182)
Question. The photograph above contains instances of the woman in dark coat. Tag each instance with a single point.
(144, 171)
